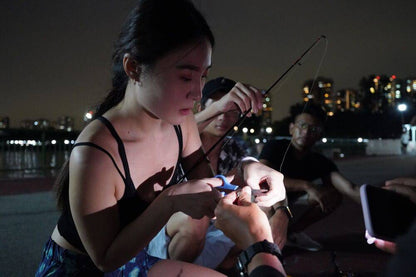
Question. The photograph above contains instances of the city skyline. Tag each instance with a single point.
(57, 54)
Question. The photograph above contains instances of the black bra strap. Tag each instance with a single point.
(102, 149)
(178, 131)
(120, 144)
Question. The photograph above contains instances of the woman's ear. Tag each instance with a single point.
(132, 68)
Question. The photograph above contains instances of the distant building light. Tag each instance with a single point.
(88, 115)
(251, 131)
(326, 95)
(341, 155)
(53, 141)
(36, 123)
(236, 128)
(264, 105)
(402, 107)
(66, 141)
(264, 140)
(360, 140)
(306, 99)
(330, 113)
(257, 140)
(372, 90)
(324, 140)
(245, 130)
(269, 130)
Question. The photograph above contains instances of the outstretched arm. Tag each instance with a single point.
(344, 186)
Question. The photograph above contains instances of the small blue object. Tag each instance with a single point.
(226, 185)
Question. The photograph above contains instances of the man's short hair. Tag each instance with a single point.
(309, 108)
(218, 84)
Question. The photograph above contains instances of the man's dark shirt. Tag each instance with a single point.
(310, 168)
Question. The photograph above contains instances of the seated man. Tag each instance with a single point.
(302, 167)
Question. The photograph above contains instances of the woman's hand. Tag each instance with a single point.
(196, 198)
(261, 177)
(244, 223)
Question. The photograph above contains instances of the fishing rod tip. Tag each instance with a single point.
(323, 36)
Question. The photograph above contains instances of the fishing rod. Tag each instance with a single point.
(231, 131)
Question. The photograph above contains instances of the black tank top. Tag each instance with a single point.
(130, 205)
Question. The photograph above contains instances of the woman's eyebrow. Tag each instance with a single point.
(190, 67)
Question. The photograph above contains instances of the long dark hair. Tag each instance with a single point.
(152, 30)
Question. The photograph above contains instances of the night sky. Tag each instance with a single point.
(56, 54)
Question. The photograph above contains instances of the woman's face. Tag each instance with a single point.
(170, 88)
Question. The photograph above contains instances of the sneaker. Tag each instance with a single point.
(302, 241)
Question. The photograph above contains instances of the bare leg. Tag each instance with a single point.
(182, 269)
(187, 236)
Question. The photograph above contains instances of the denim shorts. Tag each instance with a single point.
(58, 261)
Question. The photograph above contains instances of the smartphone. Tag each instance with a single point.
(387, 214)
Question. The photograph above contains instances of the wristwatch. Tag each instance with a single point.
(259, 247)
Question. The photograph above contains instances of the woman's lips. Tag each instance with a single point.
(185, 111)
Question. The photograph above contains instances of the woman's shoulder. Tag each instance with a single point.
(96, 133)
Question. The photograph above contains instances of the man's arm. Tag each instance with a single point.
(279, 222)
(343, 185)
(204, 117)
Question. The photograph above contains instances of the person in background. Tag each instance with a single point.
(119, 188)
(220, 108)
(302, 167)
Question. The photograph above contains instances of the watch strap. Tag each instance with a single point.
(247, 255)
(286, 209)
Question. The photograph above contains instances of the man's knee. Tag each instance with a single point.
(187, 226)
(187, 236)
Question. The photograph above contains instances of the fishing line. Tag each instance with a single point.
(231, 131)
(312, 86)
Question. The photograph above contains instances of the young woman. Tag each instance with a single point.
(115, 190)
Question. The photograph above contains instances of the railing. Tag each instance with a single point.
(26, 153)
